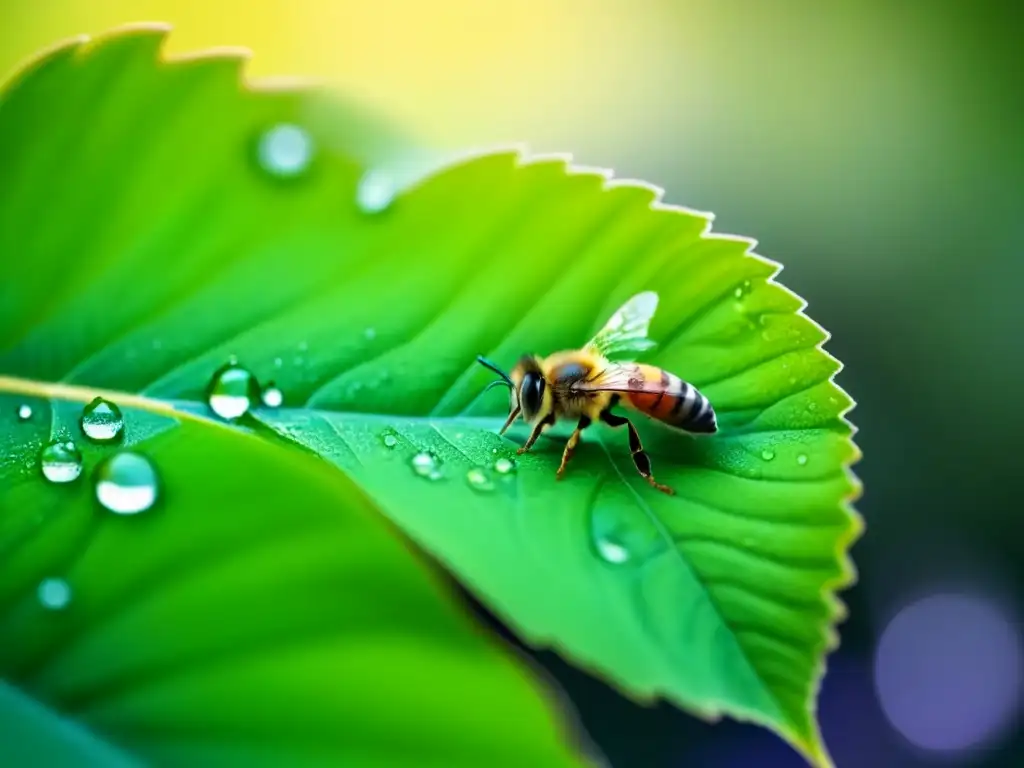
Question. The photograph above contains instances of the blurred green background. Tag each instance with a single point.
(875, 148)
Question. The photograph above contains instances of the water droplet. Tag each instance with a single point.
(801, 459)
(812, 406)
(389, 439)
(370, 334)
(767, 454)
(126, 483)
(272, 396)
(233, 391)
(54, 594)
(376, 191)
(742, 289)
(426, 464)
(285, 150)
(24, 412)
(611, 551)
(494, 451)
(504, 466)
(620, 532)
(102, 421)
(61, 461)
(479, 480)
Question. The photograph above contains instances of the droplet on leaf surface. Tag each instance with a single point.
(24, 412)
(102, 421)
(285, 150)
(233, 391)
(54, 594)
(479, 480)
(272, 396)
(376, 191)
(426, 464)
(61, 461)
(504, 466)
(126, 483)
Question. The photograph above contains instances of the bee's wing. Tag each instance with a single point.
(618, 377)
(626, 330)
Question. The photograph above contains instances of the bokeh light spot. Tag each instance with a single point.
(948, 672)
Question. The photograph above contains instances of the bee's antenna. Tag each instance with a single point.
(504, 376)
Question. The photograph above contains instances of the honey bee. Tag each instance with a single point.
(585, 384)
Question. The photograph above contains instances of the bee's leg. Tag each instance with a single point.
(570, 447)
(535, 434)
(640, 457)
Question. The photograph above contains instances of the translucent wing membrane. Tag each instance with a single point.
(619, 377)
(626, 330)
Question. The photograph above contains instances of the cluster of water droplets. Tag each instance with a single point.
(428, 465)
(124, 483)
(287, 151)
(767, 454)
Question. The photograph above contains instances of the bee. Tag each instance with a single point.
(585, 384)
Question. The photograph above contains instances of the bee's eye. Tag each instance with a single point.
(531, 393)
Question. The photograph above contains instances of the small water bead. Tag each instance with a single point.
(610, 550)
(742, 289)
(767, 454)
(426, 464)
(812, 406)
(389, 440)
(54, 594)
(285, 150)
(479, 480)
(272, 396)
(24, 412)
(102, 421)
(801, 459)
(61, 461)
(233, 391)
(126, 483)
(376, 191)
(504, 466)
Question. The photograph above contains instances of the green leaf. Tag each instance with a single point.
(259, 613)
(369, 318)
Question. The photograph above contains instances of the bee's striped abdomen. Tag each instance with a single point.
(671, 400)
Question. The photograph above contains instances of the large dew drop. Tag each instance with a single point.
(24, 412)
(61, 461)
(621, 532)
(426, 464)
(102, 421)
(285, 150)
(54, 594)
(126, 483)
(233, 390)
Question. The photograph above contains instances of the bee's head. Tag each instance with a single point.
(527, 388)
